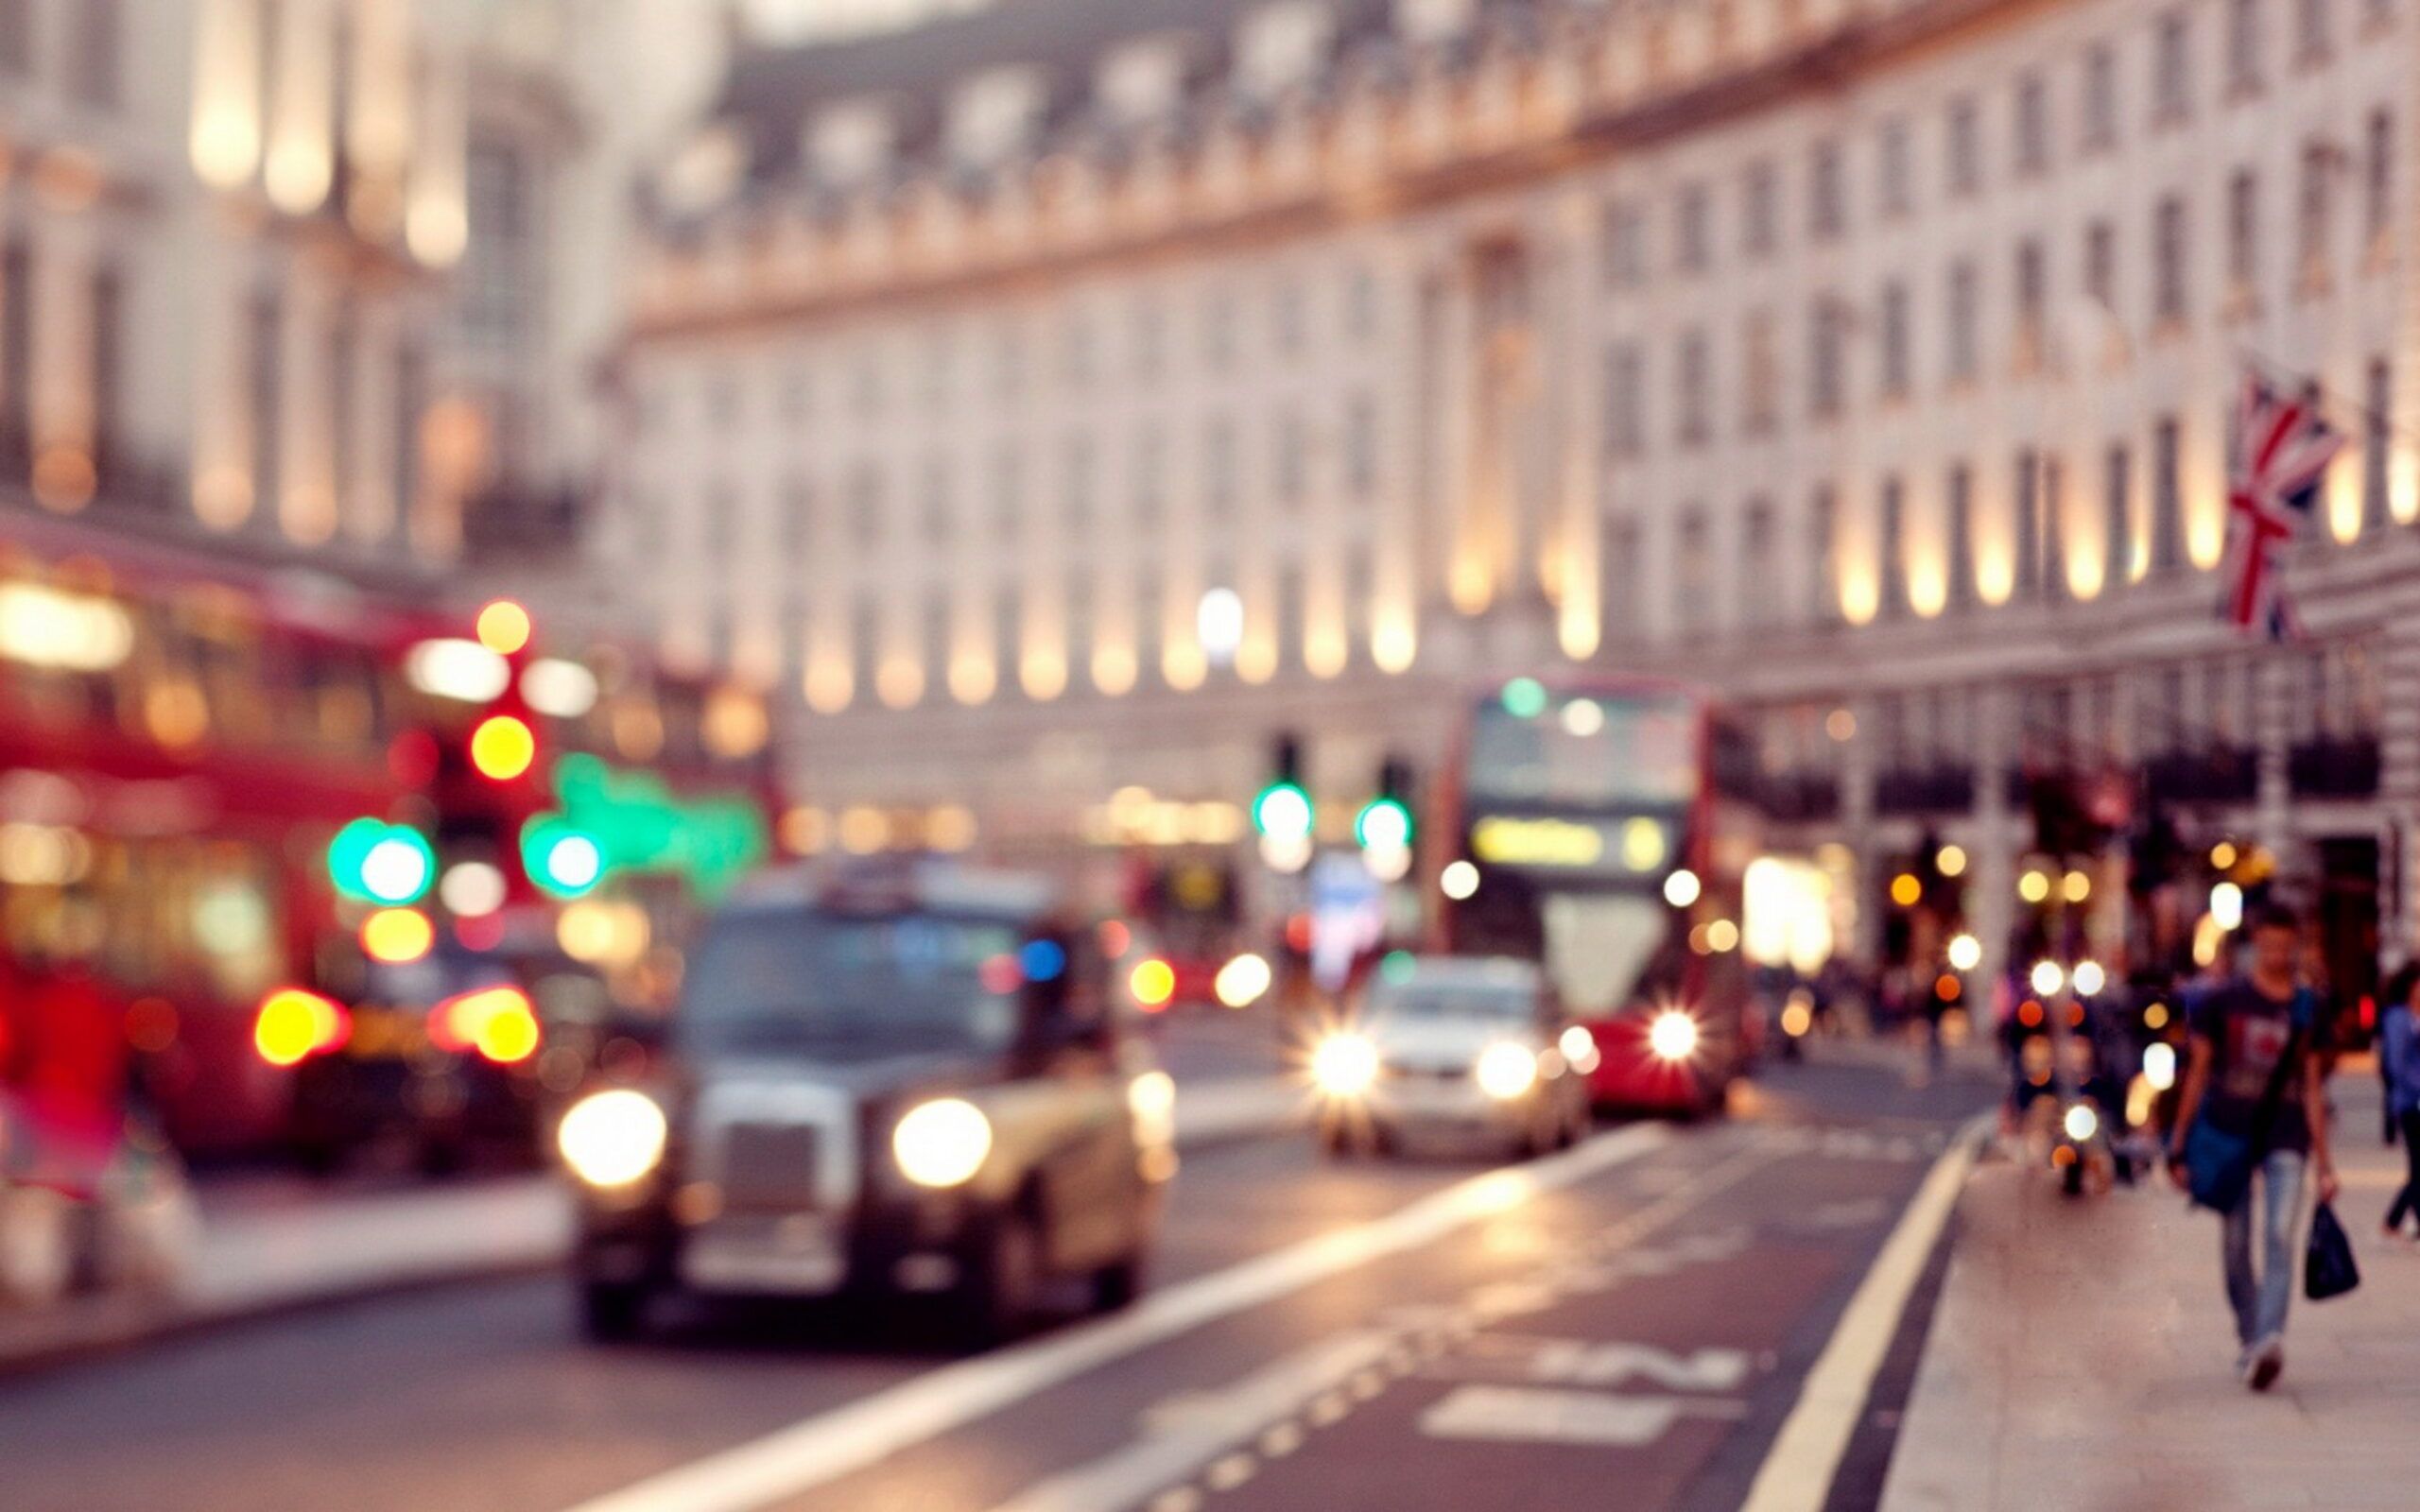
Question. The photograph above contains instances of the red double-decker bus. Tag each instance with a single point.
(201, 754)
(1605, 828)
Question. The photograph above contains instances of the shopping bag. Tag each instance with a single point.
(2327, 1261)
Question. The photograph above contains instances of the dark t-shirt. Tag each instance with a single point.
(2248, 1031)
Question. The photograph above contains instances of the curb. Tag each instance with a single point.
(94, 1328)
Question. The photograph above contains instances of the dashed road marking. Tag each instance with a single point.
(1545, 1415)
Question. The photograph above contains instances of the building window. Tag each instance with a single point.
(1696, 380)
(1828, 342)
(2317, 203)
(1361, 447)
(1150, 481)
(1826, 193)
(1286, 320)
(2168, 259)
(1760, 209)
(1965, 156)
(2243, 47)
(1823, 553)
(2167, 496)
(1081, 484)
(2101, 264)
(2378, 435)
(1897, 341)
(1757, 563)
(1897, 173)
(2032, 299)
(1961, 536)
(1625, 399)
(1361, 305)
(865, 509)
(95, 59)
(1966, 322)
(2377, 177)
(2243, 233)
(1219, 479)
(1007, 366)
(1150, 342)
(1693, 573)
(1625, 244)
(1624, 572)
(1693, 238)
(2314, 32)
(269, 400)
(411, 394)
(1293, 461)
(1076, 351)
(2173, 69)
(1892, 507)
(17, 39)
(2054, 526)
(109, 372)
(2118, 512)
(1760, 388)
(2025, 523)
(2032, 124)
(1219, 331)
(2100, 97)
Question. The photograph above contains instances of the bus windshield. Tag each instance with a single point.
(1586, 752)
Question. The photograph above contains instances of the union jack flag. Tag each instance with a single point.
(2282, 449)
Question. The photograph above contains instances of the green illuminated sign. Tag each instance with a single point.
(612, 821)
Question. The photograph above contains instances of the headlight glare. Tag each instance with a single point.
(1345, 1065)
(611, 1139)
(1672, 1034)
(2082, 1122)
(1506, 1070)
(941, 1143)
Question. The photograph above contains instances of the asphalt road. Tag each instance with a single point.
(1629, 1324)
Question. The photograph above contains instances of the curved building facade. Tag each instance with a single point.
(1065, 397)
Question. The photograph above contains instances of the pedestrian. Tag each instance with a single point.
(2255, 1075)
(2399, 1061)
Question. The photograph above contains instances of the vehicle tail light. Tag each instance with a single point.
(498, 1022)
(293, 1025)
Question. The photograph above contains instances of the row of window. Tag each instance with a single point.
(1832, 321)
(87, 48)
(1629, 260)
(2142, 532)
(865, 508)
(1077, 356)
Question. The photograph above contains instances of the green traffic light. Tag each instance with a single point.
(561, 858)
(1383, 824)
(376, 862)
(1282, 811)
(1525, 698)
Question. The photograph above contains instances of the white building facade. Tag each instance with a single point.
(1872, 363)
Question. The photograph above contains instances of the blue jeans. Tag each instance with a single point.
(2260, 1301)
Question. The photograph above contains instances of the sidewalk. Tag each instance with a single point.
(2081, 1358)
(255, 1257)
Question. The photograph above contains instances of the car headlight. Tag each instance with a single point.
(1580, 1049)
(941, 1143)
(1151, 1098)
(1506, 1070)
(611, 1139)
(1672, 1034)
(2082, 1122)
(1345, 1065)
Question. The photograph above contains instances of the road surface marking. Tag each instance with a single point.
(1797, 1472)
(1537, 1415)
(824, 1448)
(1568, 1362)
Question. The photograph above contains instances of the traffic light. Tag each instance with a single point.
(561, 858)
(1282, 811)
(379, 863)
(1385, 826)
(503, 747)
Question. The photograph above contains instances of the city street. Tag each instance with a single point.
(1642, 1311)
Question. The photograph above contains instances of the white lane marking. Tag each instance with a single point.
(1534, 1415)
(1798, 1471)
(1568, 1362)
(824, 1448)
(1234, 1411)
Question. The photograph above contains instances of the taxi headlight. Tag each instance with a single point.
(614, 1138)
(1345, 1065)
(2082, 1122)
(1580, 1049)
(1151, 1098)
(1506, 1070)
(941, 1143)
(1673, 1035)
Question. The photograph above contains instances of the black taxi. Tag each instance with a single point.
(916, 1081)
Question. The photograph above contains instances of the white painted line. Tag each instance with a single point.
(1797, 1472)
(1534, 1415)
(824, 1448)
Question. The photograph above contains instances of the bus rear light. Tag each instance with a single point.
(293, 1025)
(497, 1022)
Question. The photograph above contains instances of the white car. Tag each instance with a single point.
(1470, 1048)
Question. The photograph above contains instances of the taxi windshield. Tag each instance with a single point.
(834, 984)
